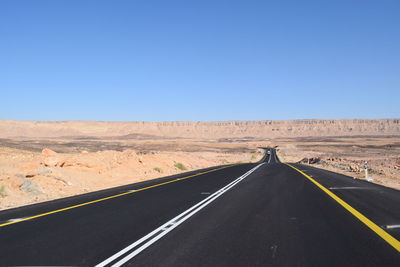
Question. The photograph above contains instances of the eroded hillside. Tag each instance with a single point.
(200, 130)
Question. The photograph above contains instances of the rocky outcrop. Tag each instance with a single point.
(354, 168)
(313, 160)
(50, 158)
(31, 187)
(201, 130)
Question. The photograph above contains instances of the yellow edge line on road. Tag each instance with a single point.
(110, 197)
(378, 230)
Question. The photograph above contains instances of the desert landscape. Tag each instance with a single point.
(41, 161)
(348, 155)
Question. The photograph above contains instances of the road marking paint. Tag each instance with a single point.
(393, 226)
(107, 198)
(15, 219)
(205, 193)
(350, 188)
(144, 242)
(378, 230)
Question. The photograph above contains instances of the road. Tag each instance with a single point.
(256, 214)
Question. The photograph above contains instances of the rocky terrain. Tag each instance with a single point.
(46, 160)
(199, 130)
(348, 155)
(30, 174)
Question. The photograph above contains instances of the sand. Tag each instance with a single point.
(348, 155)
(29, 176)
(42, 161)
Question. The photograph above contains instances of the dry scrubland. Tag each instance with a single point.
(41, 161)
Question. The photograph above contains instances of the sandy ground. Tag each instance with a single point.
(347, 155)
(36, 170)
(32, 171)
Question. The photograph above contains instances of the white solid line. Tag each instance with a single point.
(154, 239)
(349, 187)
(157, 237)
(16, 219)
(154, 235)
(393, 226)
(159, 228)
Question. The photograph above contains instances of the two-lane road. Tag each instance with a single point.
(264, 214)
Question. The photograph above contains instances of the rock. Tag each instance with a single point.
(50, 158)
(71, 162)
(310, 160)
(29, 170)
(304, 160)
(354, 168)
(315, 160)
(50, 161)
(33, 173)
(44, 171)
(49, 153)
(66, 163)
(31, 187)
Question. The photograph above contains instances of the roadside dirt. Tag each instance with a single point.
(35, 170)
(30, 172)
(348, 156)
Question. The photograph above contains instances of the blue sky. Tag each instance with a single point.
(199, 60)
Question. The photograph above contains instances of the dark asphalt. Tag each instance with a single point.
(273, 217)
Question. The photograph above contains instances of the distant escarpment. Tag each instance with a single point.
(200, 130)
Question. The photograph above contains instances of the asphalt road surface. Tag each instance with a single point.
(259, 214)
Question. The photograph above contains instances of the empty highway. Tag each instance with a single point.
(256, 214)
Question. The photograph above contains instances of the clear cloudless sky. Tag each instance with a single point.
(199, 60)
